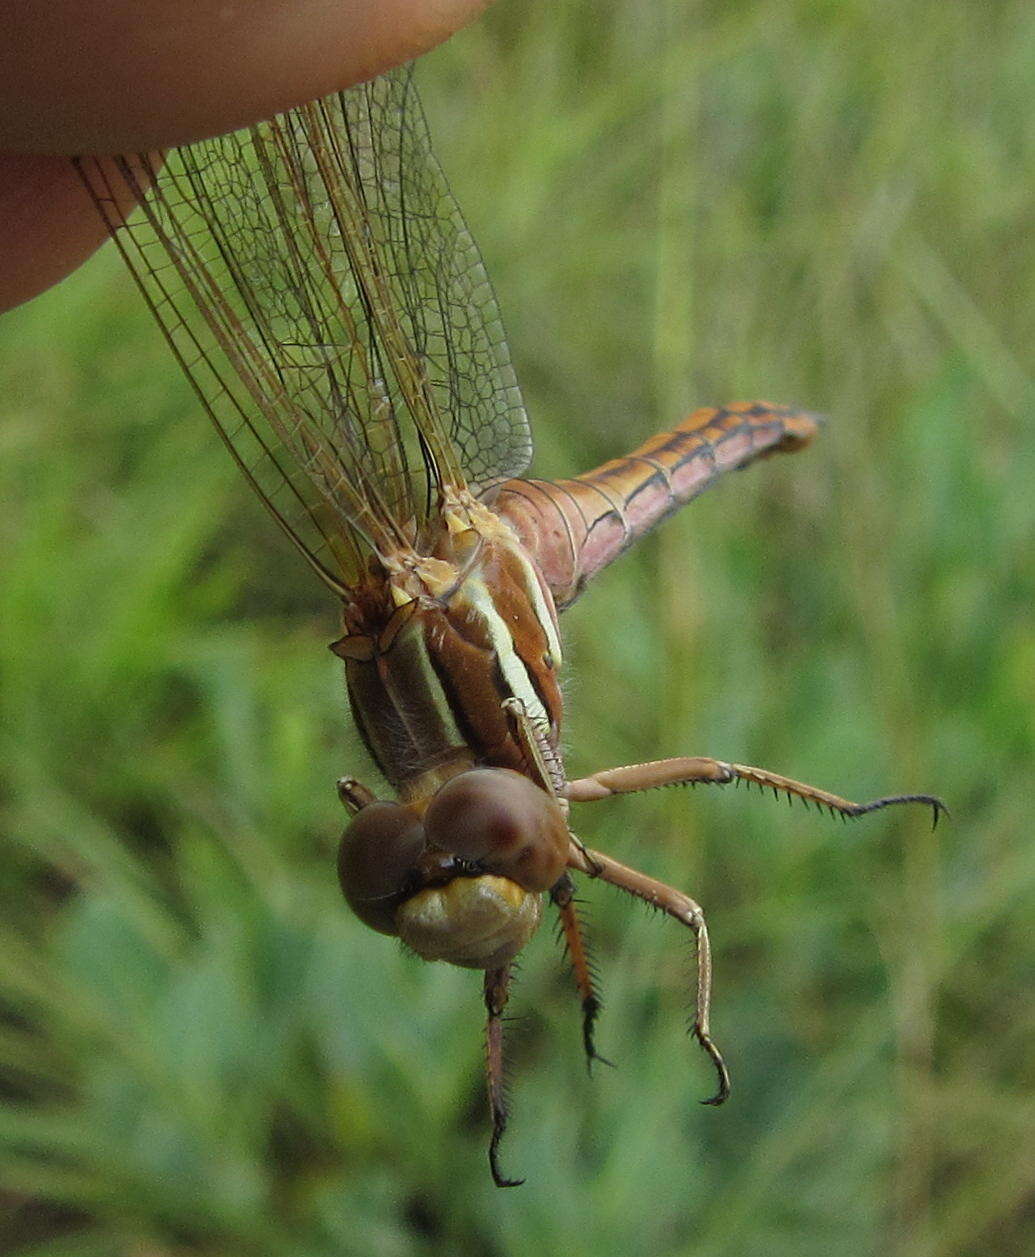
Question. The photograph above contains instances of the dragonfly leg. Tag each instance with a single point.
(684, 909)
(540, 756)
(354, 795)
(689, 770)
(563, 896)
(497, 988)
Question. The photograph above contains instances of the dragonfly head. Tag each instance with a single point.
(501, 821)
(462, 883)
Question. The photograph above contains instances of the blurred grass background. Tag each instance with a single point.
(200, 1052)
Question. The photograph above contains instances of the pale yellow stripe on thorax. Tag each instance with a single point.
(511, 666)
(544, 614)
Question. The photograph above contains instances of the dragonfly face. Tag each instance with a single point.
(320, 288)
(463, 882)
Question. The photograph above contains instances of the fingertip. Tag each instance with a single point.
(48, 225)
(98, 77)
(102, 77)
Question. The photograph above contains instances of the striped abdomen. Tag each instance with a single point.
(573, 528)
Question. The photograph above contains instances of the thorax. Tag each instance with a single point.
(436, 643)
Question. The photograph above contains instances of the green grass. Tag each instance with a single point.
(201, 1052)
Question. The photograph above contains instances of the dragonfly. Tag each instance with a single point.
(319, 286)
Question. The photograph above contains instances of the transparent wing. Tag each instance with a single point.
(316, 279)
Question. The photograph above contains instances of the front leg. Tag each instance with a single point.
(689, 770)
(353, 795)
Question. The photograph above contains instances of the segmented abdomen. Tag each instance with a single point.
(575, 527)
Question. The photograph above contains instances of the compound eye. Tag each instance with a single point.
(377, 861)
(502, 821)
